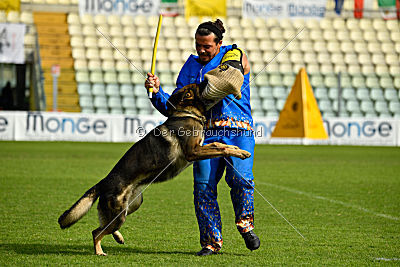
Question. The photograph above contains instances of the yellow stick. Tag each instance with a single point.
(153, 60)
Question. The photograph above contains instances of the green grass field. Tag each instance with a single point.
(344, 200)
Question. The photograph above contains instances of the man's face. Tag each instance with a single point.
(206, 47)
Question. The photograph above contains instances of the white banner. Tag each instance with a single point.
(63, 127)
(54, 126)
(12, 43)
(119, 7)
(371, 132)
(7, 120)
(341, 131)
(284, 9)
(134, 128)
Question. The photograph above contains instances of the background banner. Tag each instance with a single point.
(7, 120)
(119, 7)
(284, 9)
(210, 8)
(8, 5)
(12, 43)
(56, 126)
(62, 127)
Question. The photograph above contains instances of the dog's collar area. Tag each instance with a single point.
(185, 114)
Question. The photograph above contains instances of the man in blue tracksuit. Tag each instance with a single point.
(229, 122)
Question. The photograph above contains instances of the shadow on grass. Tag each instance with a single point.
(51, 249)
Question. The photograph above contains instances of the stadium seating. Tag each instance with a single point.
(366, 52)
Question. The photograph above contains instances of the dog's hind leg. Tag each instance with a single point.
(110, 222)
(135, 200)
(118, 237)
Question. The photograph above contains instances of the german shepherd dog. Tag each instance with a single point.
(161, 155)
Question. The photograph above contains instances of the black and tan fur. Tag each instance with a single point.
(149, 159)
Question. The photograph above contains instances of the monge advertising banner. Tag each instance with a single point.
(54, 126)
(119, 7)
(305, 9)
(341, 131)
(134, 128)
(62, 127)
(7, 120)
(372, 132)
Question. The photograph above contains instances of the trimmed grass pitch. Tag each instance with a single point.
(344, 200)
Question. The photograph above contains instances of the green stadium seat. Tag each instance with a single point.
(362, 94)
(372, 82)
(394, 107)
(126, 90)
(390, 94)
(333, 93)
(102, 110)
(325, 105)
(114, 102)
(280, 103)
(279, 92)
(381, 107)
(257, 113)
(100, 102)
(353, 106)
(367, 107)
(143, 103)
(396, 83)
(87, 110)
(256, 104)
(82, 76)
(358, 82)
(96, 77)
(110, 77)
(86, 102)
(84, 89)
(342, 105)
(112, 89)
(272, 114)
(265, 92)
(376, 94)
(349, 94)
(98, 89)
(386, 82)
(268, 105)
(321, 93)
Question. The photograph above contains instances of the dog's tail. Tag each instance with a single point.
(80, 208)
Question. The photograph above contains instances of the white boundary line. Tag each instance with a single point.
(334, 201)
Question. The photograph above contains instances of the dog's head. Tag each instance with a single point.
(187, 98)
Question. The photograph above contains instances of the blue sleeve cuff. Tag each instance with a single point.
(159, 101)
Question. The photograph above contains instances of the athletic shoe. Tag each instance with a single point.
(251, 239)
(205, 252)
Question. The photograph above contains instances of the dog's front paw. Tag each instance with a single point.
(239, 153)
(244, 154)
(101, 254)
(232, 147)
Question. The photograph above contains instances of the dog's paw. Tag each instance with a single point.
(232, 147)
(118, 237)
(239, 153)
(244, 154)
(101, 254)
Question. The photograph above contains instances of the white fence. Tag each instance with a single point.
(50, 126)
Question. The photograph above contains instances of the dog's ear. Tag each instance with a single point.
(173, 102)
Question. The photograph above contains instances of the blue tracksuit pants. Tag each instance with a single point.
(239, 177)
